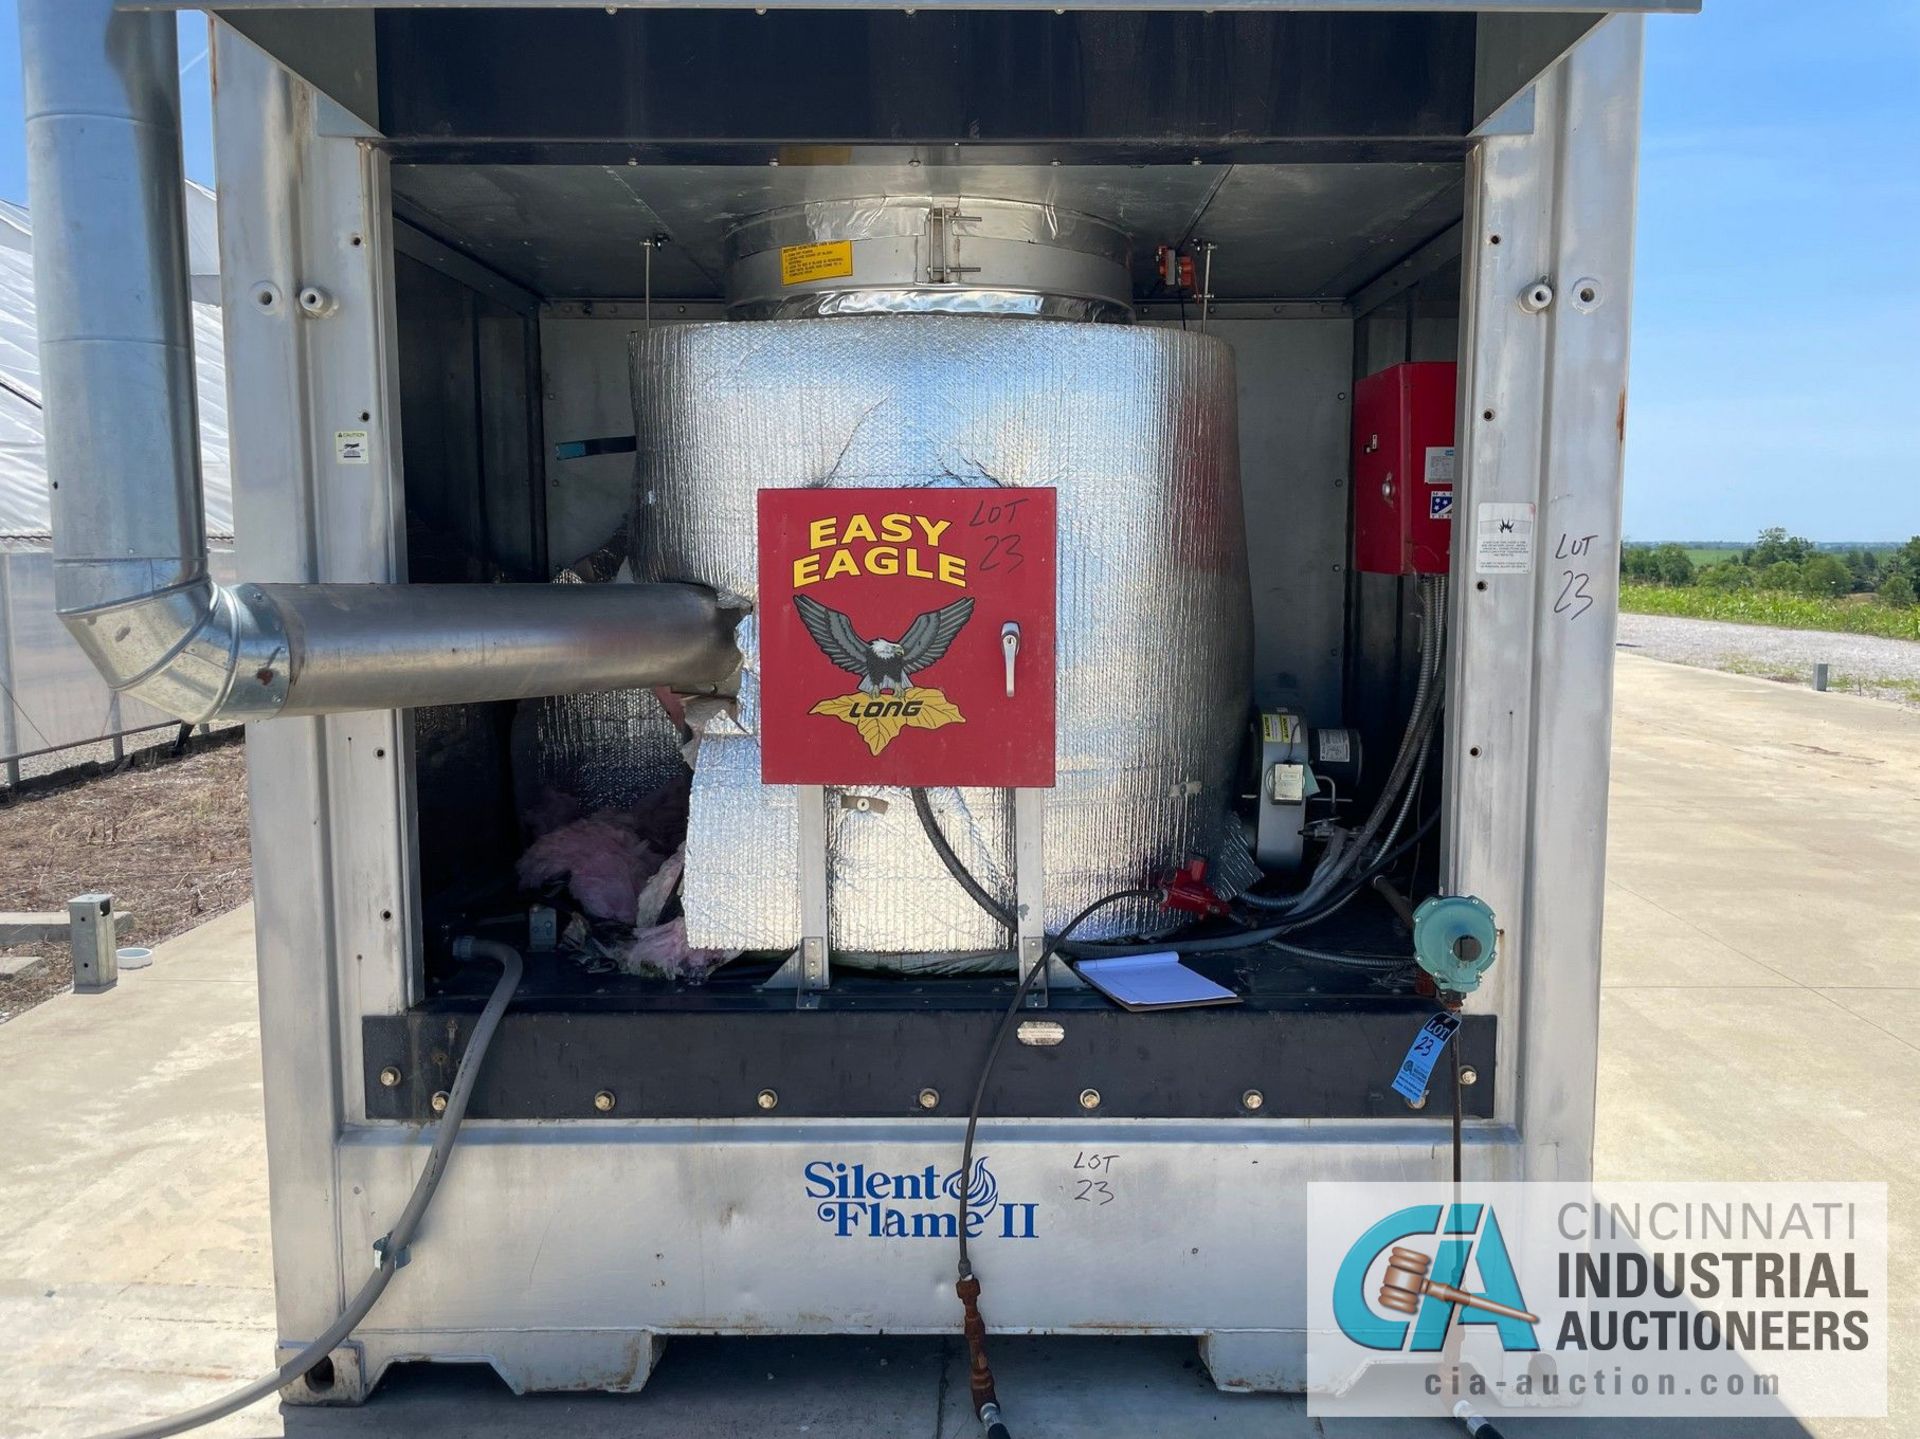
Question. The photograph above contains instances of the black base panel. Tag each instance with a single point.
(1179, 1064)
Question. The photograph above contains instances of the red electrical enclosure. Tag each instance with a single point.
(907, 637)
(1403, 470)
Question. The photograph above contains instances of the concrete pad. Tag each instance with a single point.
(1779, 822)
(134, 1266)
(18, 966)
(1753, 822)
(1125, 1388)
(1897, 1011)
(1648, 946)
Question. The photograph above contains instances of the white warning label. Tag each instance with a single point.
(350, 447)
(1439, 464)
(1503, 539)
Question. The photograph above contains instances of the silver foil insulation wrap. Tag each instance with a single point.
(1136, 430)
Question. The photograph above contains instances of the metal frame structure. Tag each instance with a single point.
(623, 1231)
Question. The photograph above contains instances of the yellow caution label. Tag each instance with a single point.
(1277, 728)
(830, 260)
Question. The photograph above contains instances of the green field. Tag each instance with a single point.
(1853, 614)
(1719, 554)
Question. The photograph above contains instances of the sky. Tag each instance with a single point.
(1776, 350)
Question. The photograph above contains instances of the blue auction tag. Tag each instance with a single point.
(1417, 1068)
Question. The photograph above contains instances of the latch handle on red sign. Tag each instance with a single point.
(1010, 649)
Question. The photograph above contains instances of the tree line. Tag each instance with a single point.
(1780, 561)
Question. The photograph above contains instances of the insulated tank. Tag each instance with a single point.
(897, 377)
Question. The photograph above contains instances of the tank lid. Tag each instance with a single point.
(907, 254)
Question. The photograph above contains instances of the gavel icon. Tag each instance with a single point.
(1406, 1281)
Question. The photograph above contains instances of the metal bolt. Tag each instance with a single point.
(1468, 1076)
(390, 1077)
(1253, 1099)
(1420, 1103)
(767, 1099)
(928, 1099)
(1537, 298)
(438, 1104)
(604, 1101)
(1089, 1099)
(317, 302)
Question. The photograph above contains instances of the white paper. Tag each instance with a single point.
(1151, 980)
(1439, 464)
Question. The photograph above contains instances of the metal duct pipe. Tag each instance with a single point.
(130, 562)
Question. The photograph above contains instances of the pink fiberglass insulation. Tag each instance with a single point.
(663, 949)
(604, 862)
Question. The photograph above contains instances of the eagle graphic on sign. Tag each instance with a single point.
(888, 701)
(883, 664)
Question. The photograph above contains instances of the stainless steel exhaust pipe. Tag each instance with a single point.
(130, 564)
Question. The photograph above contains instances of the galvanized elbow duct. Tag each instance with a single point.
(130, 563)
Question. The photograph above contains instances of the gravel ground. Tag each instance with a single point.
(1858, 664)
(166, 837)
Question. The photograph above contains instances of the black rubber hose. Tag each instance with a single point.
(1477, 1428)
(961, 874)
(1212, 944)
(1006, 1028)
(393, 1248)
(1265, 934)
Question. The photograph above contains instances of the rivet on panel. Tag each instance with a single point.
(1089, 1099)
(604, 1101)
(767, 1099)
(438, 1104)
(390, 1077)
(928, 1098)
(1253, 1100)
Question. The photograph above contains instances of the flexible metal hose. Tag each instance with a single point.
(392, 1249)
(1426, 705)
(1428, 689)
(1437, 590)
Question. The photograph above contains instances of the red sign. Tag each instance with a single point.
(906, 637)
